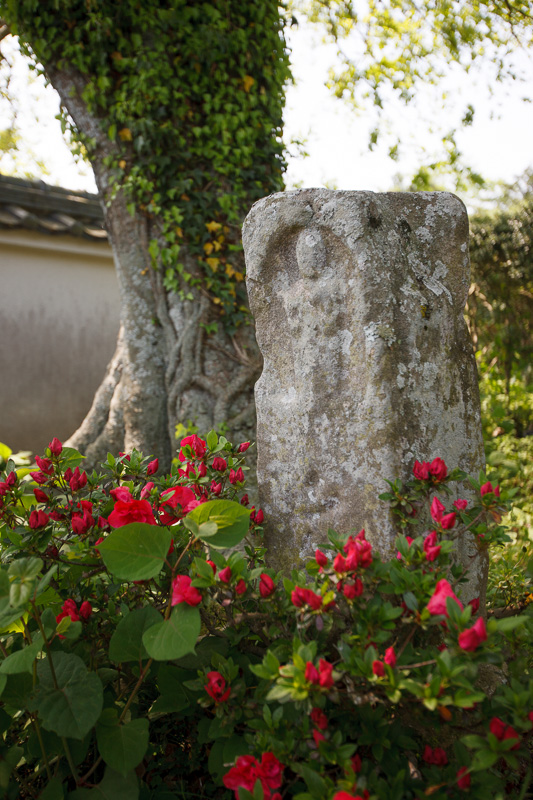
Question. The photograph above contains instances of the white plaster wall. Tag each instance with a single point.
(59, 319)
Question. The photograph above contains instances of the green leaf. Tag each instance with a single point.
(135, 552)
(508, 624)
(315, 783)
(74, 706)
(123, 746)
(173, 696)
(126, 643)
(23, 572)
(175, 637)
(54, 790)
(211, 440)
(484, 759)
(70, 457)
(114, 786)
(231, 518)
(22, 660)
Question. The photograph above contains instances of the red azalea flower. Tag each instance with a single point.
(240, 587)
(133, 511)
(152, 467)
(356, 763)
(242, 448)
(219, 464)
(437, 603)
(55, 447)
(352, 590)
(121, 493)
(502, 731)
(488, 488)
(390, 657)
(319, 719)
(474, 604)
(78, 480)
(325, 671)
(431, 548)
(438, 470)
(183, 592)
(437, 756)
(321, 558)
(180, 496)
(86, 610)
(318, 737)
(471, 638)
(196, 444)
(216, 687)
(311, 673)
(460, 505)
(81, 524)
(225, 575)
(378, 668)
(463, 779)
(38, 519)
(421, 470)
(266, 585)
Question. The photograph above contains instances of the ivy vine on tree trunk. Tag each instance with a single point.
(179, 107)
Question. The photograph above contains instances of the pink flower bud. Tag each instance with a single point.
(147, 488)
(219, 464)
(266, 585)
(202, 470)
(86, 610)
(311, 673)
(245, 500)
(378, 669)
(240, 587)
(321, 558)
(216, 488)
(213, 567)
(55, 447)
(259, 517)
(38, 519)
(390, 657)
(40, 496)
(242, 448)
(225, 575)
(152, 467)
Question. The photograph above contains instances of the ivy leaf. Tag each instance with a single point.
(73, 707)
(176, 636)
(232, 521)
(135, 552)
(22, 660)
(126, 643)
(123, 746)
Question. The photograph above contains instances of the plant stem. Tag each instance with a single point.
(135, 689)
(37, 729)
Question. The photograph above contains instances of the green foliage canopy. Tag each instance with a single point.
(189, 95)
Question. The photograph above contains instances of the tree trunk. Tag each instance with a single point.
(166, 369)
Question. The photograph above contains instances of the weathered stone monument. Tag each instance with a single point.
(358, 300)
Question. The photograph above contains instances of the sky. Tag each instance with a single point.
(498, 144)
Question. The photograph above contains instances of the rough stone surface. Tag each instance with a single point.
(358, 300)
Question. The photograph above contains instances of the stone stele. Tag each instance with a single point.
(358, 300)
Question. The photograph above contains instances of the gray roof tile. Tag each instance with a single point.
(37, 206)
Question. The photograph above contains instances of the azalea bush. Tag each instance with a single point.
(149, 652)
